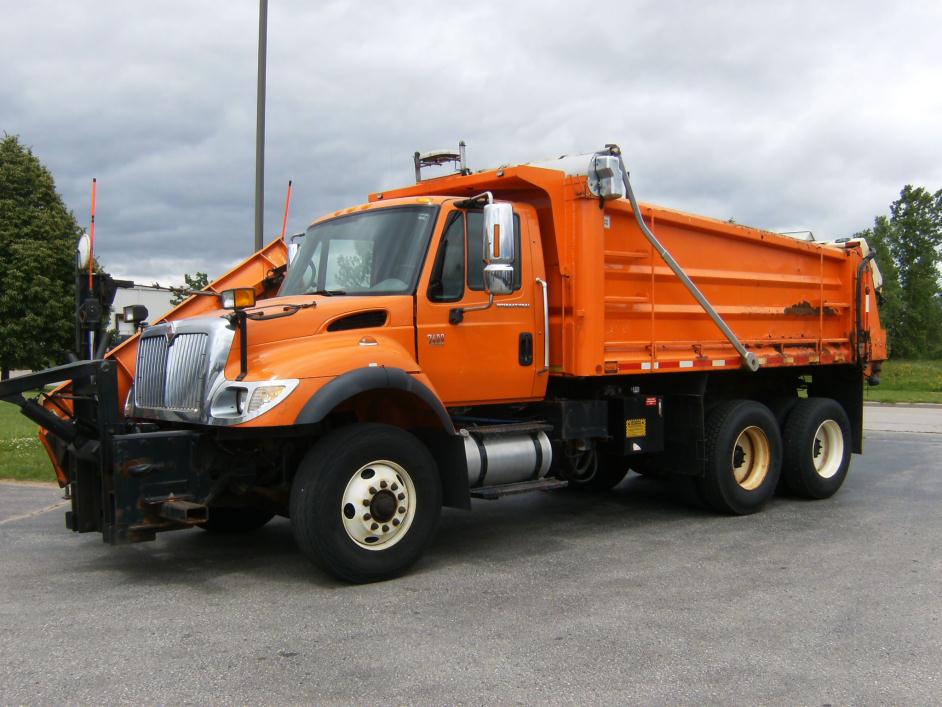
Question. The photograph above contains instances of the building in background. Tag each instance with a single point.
(156, 299)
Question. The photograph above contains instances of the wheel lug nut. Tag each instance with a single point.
(382, 484)
(401, 496)
(395, 521)
(372, 490)
(394, 487)
(366, 501)
(374, 526)
(385, 528)
(402, 509)
(367, 516)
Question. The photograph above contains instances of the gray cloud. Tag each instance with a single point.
(785, 115)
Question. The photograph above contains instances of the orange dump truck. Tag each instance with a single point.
(472, 336)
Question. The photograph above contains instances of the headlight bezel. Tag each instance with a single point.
(230, 402)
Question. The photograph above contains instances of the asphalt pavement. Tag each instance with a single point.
(637, 596)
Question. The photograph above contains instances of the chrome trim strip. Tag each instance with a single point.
(546, 361)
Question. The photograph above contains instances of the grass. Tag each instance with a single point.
(22, 457)
(908, 382)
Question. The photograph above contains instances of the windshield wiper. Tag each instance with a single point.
(328, 293)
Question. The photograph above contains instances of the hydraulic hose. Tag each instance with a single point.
(861, 354)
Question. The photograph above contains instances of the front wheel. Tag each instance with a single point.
(817, 448)
(365, 502)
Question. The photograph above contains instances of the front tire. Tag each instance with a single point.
(366, 502)
(817, 448)
(743, 457)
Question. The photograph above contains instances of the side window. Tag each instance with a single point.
(476, 251)
(447, 283)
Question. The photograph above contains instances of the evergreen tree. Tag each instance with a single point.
(38, 236)
(195, 282)
(908, 244)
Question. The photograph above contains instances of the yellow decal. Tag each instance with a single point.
(636, 428)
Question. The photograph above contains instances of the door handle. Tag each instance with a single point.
(525, 349)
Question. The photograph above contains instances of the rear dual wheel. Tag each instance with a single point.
(817, 448)
(743, 457)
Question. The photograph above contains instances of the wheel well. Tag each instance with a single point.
(388, 406)
(414, 413)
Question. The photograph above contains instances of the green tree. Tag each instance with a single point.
(908, 243)
(353, 271)
(38, 236)
(196, 282)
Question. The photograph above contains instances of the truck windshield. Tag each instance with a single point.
(377, 252)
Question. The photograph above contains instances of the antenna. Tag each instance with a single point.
(284, 224)
(91, 235)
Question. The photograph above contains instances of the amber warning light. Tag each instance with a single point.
(239, 298)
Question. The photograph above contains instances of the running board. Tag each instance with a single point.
(491, 493)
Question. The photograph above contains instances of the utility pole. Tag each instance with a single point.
(260, 123)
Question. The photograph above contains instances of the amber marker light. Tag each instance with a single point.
(239, 298)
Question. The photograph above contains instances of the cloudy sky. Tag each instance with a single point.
(786, 115)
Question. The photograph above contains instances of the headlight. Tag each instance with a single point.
(239, 402)
(264, 395)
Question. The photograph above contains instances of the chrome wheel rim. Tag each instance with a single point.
(751, 458)
(827, 450)
(378, 505)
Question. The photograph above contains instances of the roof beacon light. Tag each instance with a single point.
(439, 157)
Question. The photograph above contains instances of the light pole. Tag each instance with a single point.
(260, 123)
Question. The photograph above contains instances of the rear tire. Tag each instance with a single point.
(365, 502)
(817, 448)
(231, 521)
(743, 457)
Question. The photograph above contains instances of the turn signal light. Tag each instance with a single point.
(239, 298)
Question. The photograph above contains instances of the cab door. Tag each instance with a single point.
(491, 355)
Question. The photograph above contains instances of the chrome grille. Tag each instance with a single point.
(171, 376)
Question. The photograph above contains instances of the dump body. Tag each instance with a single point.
(615, 306)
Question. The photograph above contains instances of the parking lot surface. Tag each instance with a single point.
(639, 595)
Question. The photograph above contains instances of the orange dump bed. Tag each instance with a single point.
(616, 307)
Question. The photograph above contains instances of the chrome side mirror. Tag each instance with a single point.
(499, 279)
(499, 249)
(499, 234)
